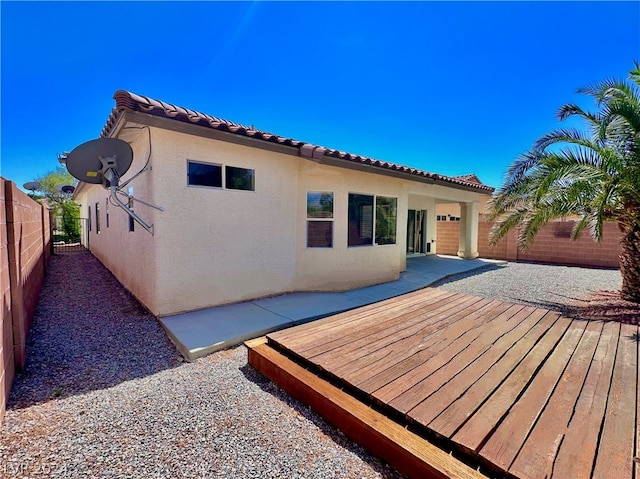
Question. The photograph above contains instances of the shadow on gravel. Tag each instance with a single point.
(564, 304)
(88, 333)
(336, 436)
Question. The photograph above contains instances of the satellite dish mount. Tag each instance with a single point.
(104, 161)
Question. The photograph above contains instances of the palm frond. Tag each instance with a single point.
(563, 135)
(579, 227)
(523, 164)
(606, 90)
(571, 109)
(634, 74)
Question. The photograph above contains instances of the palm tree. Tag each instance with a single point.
(594, 174)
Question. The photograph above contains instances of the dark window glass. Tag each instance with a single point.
(360, 220)
(203, 174)
(320, 204)
(239, 178)
(132, 224)
(386, 220)
(97, 217)
(89, 217)
(320, 234)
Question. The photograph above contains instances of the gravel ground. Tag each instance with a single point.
(560, 288)
(105, 394)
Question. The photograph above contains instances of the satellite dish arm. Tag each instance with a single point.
(159, 208)
(129, 211)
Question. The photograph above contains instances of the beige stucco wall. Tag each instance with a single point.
(453, 209)
(130, 256)
(343, 267)
(214, 246)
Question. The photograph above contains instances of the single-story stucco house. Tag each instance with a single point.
(250, 214)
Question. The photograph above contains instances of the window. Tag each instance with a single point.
(97, 218)
(106, 211)
(132, 224)
(360, 220)
(204, 174)
(386, 219)
(454, 218)
(320, 219)
(239, 178)
(441, 217)
(208, 174)
(89, 217)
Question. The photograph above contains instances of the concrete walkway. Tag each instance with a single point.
(198, 333)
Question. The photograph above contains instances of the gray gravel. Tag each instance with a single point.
(105, 394)
(547, 286)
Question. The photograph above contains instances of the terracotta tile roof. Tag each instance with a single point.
(470, 178)
(130, 101)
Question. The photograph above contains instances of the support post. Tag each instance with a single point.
(468, 239)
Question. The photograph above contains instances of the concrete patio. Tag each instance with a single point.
(198, 333)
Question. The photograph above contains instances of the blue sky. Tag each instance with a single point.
(449, 87)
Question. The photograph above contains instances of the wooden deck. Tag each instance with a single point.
(507, 389)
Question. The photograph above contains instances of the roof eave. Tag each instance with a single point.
(164, 115)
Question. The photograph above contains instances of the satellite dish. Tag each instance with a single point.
(32, 186)
(101, 161)
(65, 189)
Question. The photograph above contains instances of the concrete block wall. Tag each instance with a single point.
(447, 237)
(7, 362)
(25, 247)
(553, 244)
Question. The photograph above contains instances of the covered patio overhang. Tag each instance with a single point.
(469, 204)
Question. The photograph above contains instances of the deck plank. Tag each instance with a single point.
(458, 409)
(484, 419)
(578, 450)
(445, 345)
(416, 297)
(512, 345)
(303, 332)
(537, 456)
(413, 393)
(326, 333)
(616, 448)
(394, 343)
(412, 377)
(505, 442)
(384, 330)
